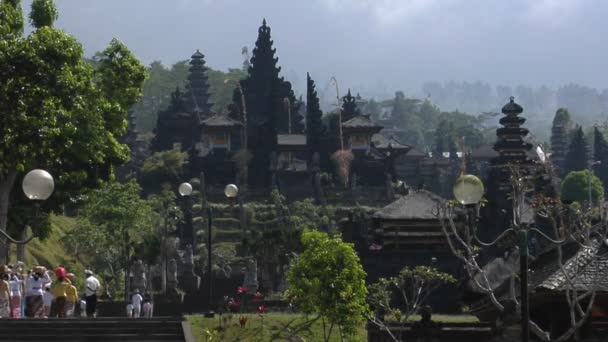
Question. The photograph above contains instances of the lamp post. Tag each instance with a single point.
(468, 191)
(170, 219)
(37, 185)
(230, 191)
(597, 162)
(187, 232)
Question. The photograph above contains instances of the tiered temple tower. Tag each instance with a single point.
(197, 93)
(513, 151)
(510, 144)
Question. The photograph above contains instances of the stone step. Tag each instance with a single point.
(100, 329)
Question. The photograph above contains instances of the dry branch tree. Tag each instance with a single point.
(341, 158)
(568, 226)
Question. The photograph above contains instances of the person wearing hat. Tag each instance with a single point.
(72, 297)
(90, 292)
(34, 291)
(60, 290)
(136, 300)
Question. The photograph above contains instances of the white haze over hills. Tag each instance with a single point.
(371, 46)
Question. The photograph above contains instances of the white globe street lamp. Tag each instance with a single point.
(38, 185)
(185, 189)
(231, 191)
(468, 189)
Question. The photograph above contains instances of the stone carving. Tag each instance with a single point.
(188, 255)
(190, 281)
(251, 276)
(172, 275)
(139, 277)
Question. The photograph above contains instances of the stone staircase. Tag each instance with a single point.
(107, 329)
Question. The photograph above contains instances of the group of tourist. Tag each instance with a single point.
(35, 294)
(140, 306)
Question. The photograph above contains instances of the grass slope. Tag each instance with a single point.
(52, 252)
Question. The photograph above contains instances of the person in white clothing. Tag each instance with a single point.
(90, 292)
(15, 284)
(136, 300)
(34, 289)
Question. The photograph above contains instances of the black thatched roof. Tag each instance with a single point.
(220, 120)
(361, 121)
(382, 143)
(587, 267)
(417, 205)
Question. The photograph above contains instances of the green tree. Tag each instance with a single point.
(374, 109)
(412, 287)
(560, 132)
(575, 187)
(600, 153)
(162, 168)
(315, 129)
(445, 138)
(57, 111)
(113, 223)
(577, 158)
(157, 92)
(327, 279)
(159, 87)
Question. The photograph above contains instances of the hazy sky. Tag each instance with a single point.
(366, 44)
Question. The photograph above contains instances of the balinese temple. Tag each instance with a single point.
(220, 138)
(513, 151)
(197, 86)
(511, 145)
(358, 132)
(406, 232)
(392, 149)
(292, 167)
(292, 152)
(180, 123)
(368, 167)
(410, 223)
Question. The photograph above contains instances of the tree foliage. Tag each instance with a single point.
(600, 153)
(162, 167)
(58, 111)
(577, 158)
(44, 13)
(575, 187)
(11, 20)
(315, 128)
(162, 82)
(113, 222)
(327, 279)
(412, 287)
